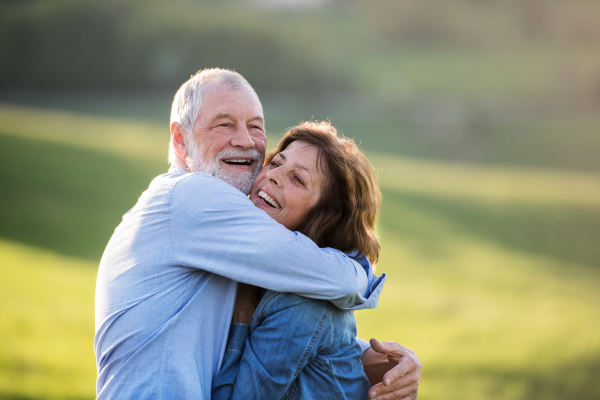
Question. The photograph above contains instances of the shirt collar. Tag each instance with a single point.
(176, 169)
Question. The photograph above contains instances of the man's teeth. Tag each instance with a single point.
(268, 199)
(238, 161)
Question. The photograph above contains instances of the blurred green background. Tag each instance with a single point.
(483, 118)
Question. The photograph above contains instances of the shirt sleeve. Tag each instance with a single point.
(265, 365)
(364, 345)
(224, 382)
(214, 227)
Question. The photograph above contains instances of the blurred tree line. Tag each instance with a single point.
(140, 44)
(116, 44)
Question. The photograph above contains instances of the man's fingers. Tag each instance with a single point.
(377, 346)
(405, 366)
(402, 381)
(377, 390)
(404, 393)
(388, 348)
(393, 359)
(381, 389)
(401, 387)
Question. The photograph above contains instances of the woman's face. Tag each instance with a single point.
(290, 186)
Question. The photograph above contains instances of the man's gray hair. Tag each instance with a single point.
(188, 99)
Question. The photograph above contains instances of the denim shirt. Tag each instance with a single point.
(167, 284)
(295, 348)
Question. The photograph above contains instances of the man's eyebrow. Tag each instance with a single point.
(221, 115)
(225, 115)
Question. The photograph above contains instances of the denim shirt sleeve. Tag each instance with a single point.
(223, 384)
(264, 365)
(216, 228)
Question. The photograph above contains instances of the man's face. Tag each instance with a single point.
(229, 137)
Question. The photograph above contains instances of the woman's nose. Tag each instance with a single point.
(273, 176)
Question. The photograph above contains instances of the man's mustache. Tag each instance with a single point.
(230, 153)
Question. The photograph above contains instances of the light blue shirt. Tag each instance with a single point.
(168, 278)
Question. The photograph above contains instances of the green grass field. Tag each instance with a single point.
(493, 268)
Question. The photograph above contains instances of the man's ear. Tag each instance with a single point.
(177, 139)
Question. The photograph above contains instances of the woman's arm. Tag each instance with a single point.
(265, 364)
(224, 382)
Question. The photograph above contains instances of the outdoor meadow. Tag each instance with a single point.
(482, 118)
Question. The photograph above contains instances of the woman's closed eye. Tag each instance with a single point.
(299, 180)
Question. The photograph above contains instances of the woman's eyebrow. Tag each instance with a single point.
(300, 166)
(296, 164)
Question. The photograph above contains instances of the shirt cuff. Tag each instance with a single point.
(372, 299)
(364, 345)
(238, 333)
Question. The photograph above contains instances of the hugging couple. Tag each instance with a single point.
(230, 279)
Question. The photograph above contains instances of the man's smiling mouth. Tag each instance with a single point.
(238, 161)
(268, 199)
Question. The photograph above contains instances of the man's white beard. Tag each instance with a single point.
(242, 181)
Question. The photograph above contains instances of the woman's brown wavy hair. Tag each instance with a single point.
(346, 215)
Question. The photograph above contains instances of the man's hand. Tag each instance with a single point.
(394, 371)
(248, 297)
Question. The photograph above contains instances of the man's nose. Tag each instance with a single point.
(241, 138)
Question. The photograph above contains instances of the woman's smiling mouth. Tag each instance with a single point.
(268, 199)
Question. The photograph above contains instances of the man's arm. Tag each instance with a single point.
(394, 371)
(216, 228)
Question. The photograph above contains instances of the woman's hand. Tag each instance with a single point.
(394, 371)
(248, 297)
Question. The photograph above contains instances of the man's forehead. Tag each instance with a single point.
(222, 101)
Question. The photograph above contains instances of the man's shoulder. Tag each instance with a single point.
(184, 184)
(177, 175)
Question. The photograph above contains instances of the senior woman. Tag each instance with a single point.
(293, 347)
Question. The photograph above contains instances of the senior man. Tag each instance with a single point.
(168, 278)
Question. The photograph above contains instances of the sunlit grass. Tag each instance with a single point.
(487, 184)
(47, 324)
(482, 316)
(120, 136)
